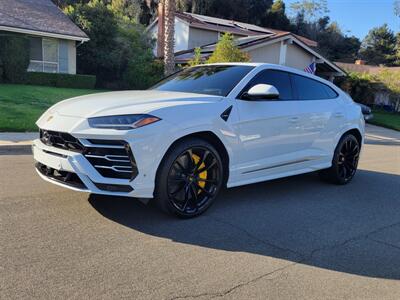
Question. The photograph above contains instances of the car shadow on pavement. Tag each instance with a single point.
(353, 229)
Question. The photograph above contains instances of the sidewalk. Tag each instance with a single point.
(17, 138)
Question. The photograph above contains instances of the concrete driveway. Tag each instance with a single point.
(295, 238)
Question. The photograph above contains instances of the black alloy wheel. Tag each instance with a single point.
(345, 161)
(348, 159)
(192, 180)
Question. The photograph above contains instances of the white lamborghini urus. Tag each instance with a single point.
(198, 130)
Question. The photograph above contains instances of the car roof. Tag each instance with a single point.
(276, 67)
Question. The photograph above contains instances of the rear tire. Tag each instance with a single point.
(189, 178)
(344, 162)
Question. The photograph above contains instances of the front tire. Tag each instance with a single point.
(189, 178)
(344, 162)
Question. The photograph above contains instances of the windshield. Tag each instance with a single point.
(210, 80)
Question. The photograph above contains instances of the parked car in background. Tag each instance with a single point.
(366, 111)
(198, 130)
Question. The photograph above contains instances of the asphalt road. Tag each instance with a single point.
(295, 238)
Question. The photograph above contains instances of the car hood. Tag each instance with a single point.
(125, 102)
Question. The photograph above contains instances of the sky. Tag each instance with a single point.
(357, 17)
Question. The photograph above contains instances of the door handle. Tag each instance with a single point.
(294, 119)
(339, 115)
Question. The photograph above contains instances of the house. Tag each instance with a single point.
(262, 44)
(52, 35)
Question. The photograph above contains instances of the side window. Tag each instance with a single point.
(331, 93)
(309, 89)
(279, 79)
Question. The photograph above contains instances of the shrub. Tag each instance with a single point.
(14, 54)
(1, 71)
(197, 59)
(227, 51)
(360, 86)
(61, 80)
(363, 87)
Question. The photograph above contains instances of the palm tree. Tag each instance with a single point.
(169, 57)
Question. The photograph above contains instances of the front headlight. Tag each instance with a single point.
(123, 122)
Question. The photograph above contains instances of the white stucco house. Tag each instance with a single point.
(52, 35)
(262, 44)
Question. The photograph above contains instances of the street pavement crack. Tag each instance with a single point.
(303, 260)
(230, 290)
(353, 239)
(257, 238)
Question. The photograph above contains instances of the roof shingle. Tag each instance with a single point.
(41, 16)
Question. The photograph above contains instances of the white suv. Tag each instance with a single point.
(198, 130)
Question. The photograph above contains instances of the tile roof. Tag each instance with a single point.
(249, 41)
(234, 27)
(242, 43)
(364, 68)
(41, 16)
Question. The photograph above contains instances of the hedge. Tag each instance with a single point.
(14, 57)
(62, 80)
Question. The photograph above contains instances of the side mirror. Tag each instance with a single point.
(262, 91)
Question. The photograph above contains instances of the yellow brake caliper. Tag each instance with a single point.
(202, 175)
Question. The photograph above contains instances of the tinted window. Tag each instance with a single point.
(211, 80)
(331, 93)
(309, 89)
(279, 79)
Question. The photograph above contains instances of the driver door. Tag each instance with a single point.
(268, 128)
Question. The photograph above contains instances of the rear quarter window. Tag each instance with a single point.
(310, 89)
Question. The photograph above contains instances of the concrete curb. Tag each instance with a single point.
(19, 149)
(16, 143)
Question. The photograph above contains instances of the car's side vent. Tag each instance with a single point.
(225, 115)
(113, 159)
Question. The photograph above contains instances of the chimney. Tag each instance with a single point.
(360, 62)
(161, 28)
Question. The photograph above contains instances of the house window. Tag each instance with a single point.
(43, 55)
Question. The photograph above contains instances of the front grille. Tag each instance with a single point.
(60, 140)
(64, 177)
(111, 158)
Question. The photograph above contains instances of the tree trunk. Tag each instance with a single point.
(169, 57)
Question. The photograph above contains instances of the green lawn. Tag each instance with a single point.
(21, 105)
(385, 119)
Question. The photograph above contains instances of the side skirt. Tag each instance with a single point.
(284, 173)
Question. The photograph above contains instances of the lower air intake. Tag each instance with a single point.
(112, 159)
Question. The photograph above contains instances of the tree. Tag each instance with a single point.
(197, 59)
(397, 7)
(169, 44)
(257, 11)
(126, 9)
(311, 9)
(379, 46)
(117, 46)
(227, 51)
(276, 16)
(147, 12)
(334, 45)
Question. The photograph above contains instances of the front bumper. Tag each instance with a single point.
(60, 166)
